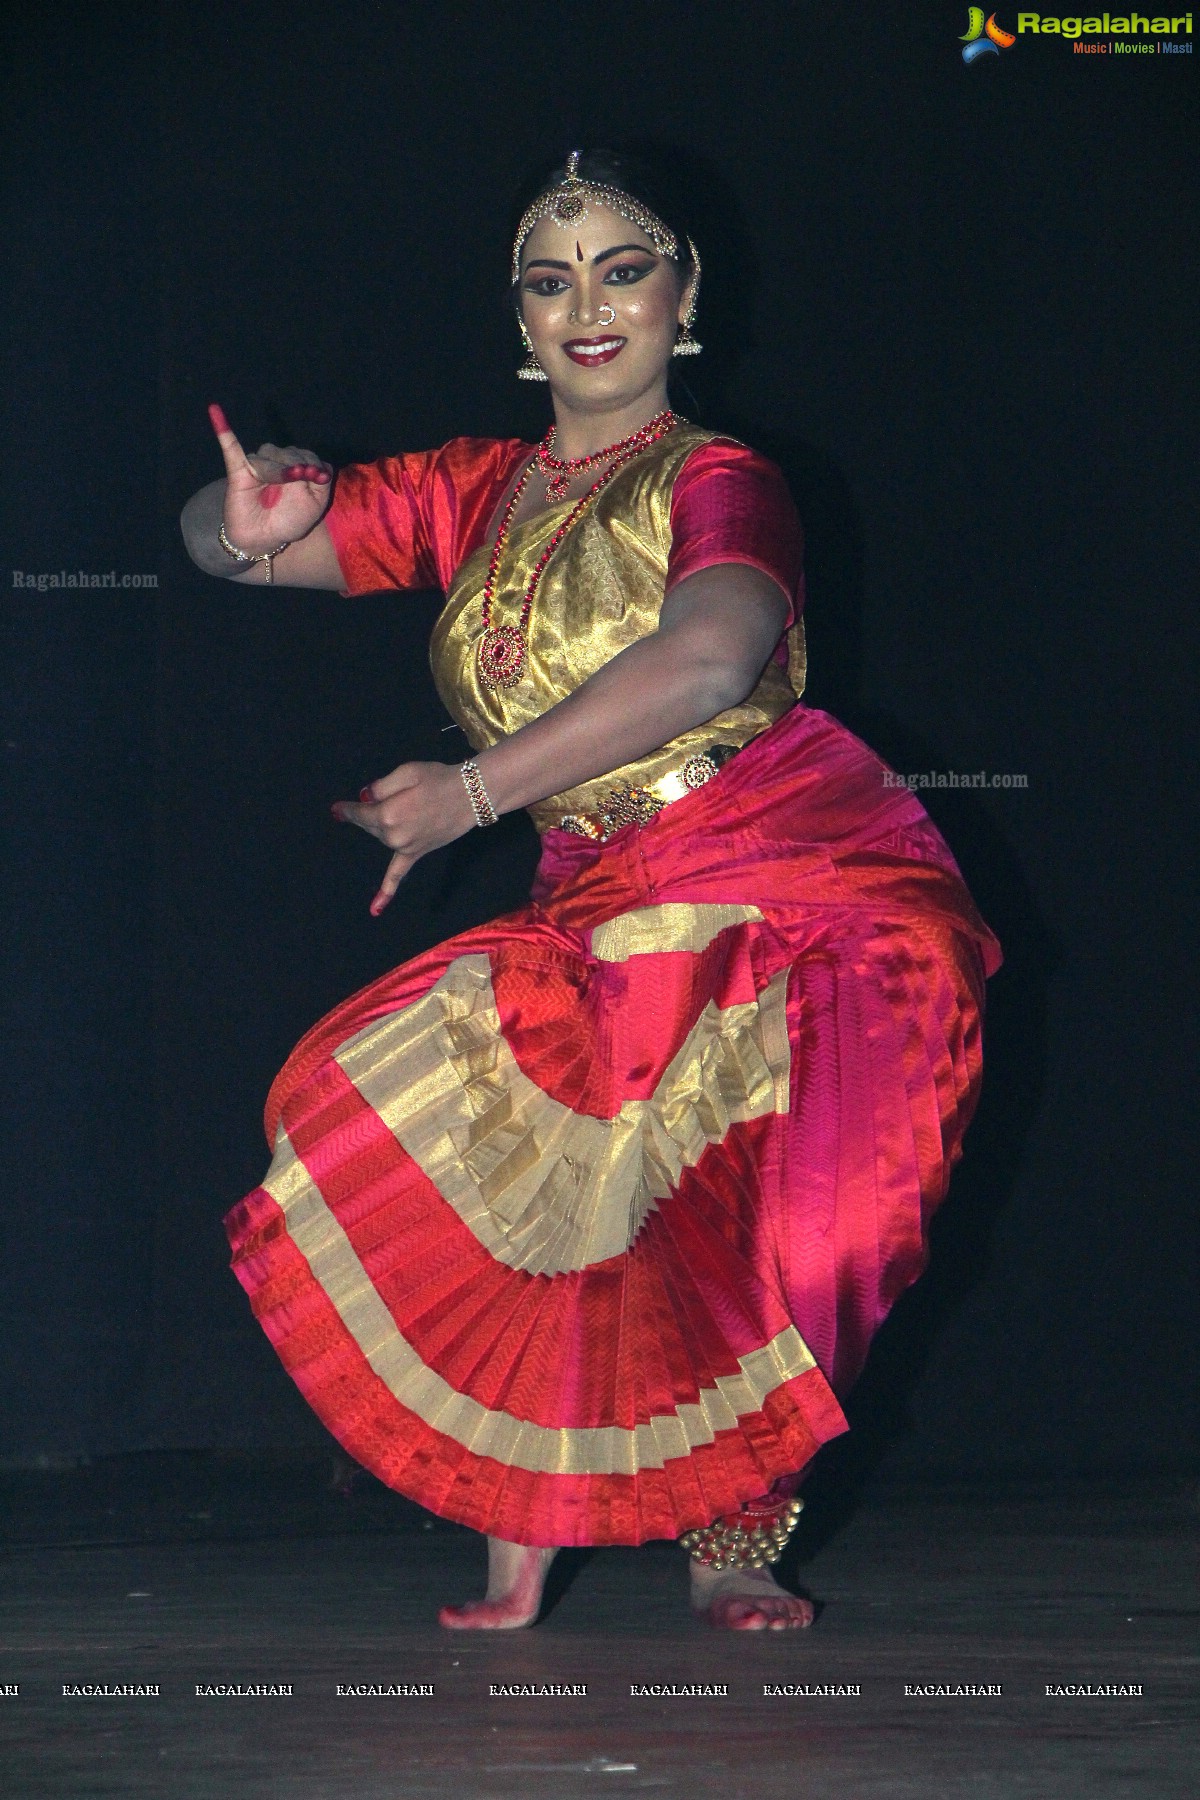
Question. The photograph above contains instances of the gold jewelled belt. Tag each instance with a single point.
(629, 805)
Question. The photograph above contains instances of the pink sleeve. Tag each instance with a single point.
(729, 504)
(409, 521)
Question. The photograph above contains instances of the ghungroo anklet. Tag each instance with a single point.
(747, 1539)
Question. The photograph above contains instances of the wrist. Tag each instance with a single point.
(483, 811)
(246, 559)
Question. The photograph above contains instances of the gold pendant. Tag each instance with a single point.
(502, 654)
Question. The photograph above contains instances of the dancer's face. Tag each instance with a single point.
(598, 359)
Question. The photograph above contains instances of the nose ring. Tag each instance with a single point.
(573, 316)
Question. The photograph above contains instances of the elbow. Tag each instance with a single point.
(187, 530)
(195, 541)
(720, 685)
(188, 542)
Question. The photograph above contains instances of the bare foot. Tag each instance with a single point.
(746, 1600)
(516, 1577)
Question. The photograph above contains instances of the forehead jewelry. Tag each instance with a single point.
(567, 204)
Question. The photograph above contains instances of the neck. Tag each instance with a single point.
(582, 433)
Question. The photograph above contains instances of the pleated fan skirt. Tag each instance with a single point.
(578, 1226)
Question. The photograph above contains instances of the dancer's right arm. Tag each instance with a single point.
(274, 496)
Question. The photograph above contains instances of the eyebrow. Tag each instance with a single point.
(547, 262)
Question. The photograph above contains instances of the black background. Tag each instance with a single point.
(952, 301)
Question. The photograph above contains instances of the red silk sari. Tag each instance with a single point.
(580, 1224)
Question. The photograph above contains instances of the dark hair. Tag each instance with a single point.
(650, 179)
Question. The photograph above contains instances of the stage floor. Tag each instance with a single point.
(1024, 1590)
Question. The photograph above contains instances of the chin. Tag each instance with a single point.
(609, 387)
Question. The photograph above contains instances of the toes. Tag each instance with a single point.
(747, 1618)
(796, 1615)
(736, 1612)
(484, 1615)
(455, 1617)
(469, 1616)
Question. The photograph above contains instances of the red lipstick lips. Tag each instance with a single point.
(587, 352)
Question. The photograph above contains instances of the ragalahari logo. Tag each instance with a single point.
(983, 37)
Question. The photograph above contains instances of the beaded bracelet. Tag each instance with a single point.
(244, 557)
(477, 794)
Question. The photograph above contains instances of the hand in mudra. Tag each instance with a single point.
(272, 497)
(417, 808)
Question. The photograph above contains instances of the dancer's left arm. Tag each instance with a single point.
(716, 631)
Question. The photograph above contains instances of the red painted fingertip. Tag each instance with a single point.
(377, 906)
(336, 810)
(367, 795)
(322, 475)
(217, 418)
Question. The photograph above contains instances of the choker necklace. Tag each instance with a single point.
(503, 649)
(561, 470)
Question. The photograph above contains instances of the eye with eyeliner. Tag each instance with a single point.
(548, 286)
(622, 274)
(626, 273)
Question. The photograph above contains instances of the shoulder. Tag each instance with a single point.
(407, 521)
(693, 457)
(462, 462)
(470, 455)
(730, 503)
(722, 478)
(718, 456)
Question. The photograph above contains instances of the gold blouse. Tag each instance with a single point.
(601, 591)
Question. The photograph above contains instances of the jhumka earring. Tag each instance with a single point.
(531, 369)
(685, 343)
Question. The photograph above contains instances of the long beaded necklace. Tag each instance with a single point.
(504, 649)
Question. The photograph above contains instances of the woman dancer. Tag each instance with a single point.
(579, 1226)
